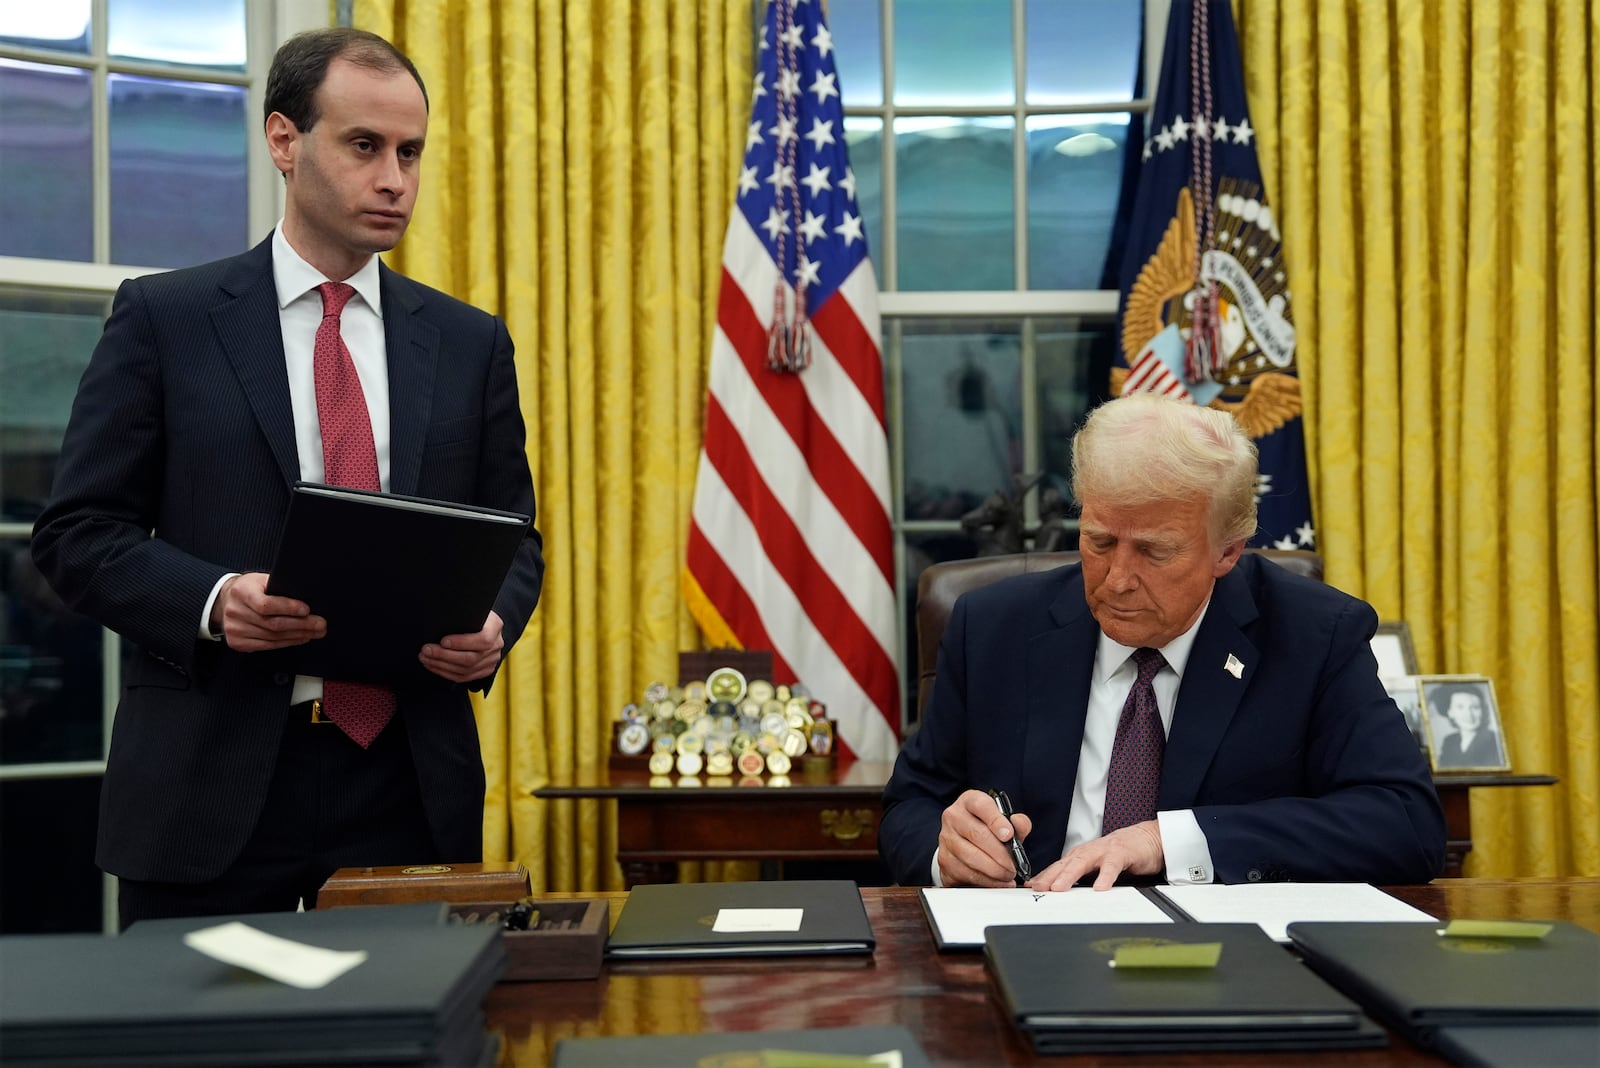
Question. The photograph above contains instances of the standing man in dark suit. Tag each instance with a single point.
(233, 784)
(1171, 707)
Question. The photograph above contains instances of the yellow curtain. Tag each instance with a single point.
(580, 165)
(1434, 166)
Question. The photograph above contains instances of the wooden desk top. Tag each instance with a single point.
(944, 999)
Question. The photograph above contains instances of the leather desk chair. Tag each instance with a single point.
(942, 583)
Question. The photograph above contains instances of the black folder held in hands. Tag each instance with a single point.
(390, 574)
(741, 919)
(1058, 986)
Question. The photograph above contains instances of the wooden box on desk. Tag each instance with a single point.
(569, 941)
(495, 881)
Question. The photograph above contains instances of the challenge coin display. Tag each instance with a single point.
(722, 723)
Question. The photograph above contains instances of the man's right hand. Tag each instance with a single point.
(972, 842)
(253, 621)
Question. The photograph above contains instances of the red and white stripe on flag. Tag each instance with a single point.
(1149, 374)
(790, 544)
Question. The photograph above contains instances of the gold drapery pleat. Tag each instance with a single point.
(579, 170)
(1435, 171)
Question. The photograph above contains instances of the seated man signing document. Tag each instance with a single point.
(1168, 708)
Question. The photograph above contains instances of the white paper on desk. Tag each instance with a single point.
(960, 913)
(294, 963)
(1274, 906)
(744, 921)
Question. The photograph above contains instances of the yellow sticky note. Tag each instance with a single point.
(1183, 955)
(1494, 929)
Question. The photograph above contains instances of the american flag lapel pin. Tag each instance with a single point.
(1234, 667)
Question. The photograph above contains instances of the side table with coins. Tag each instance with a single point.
(729, 765)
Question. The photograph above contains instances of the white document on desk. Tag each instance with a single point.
(1274, 906)
(958, 914)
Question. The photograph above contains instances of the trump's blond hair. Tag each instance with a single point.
(1147, 449)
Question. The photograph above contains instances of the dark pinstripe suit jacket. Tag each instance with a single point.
(176, 469)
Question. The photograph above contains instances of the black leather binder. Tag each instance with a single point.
(147, 998)
(1409, 976)
(390, 574)
(725, 919)
(694, 1051)
(1565, 1045)
(1058, 985)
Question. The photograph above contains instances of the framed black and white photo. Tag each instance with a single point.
(1463, 723)
(1392, 647)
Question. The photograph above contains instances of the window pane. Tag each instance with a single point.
(864, 138)
(51, 884)
(197, 33)
(177, 171)
(1082, 51)
(59, 25)
(1074, 174)
(955, 203)
(962, 403)
(857, 51)
(47, 344)
(1073, 363)
(50, 669)
(47, 162)
(953, 52)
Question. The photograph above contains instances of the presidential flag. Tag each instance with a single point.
(1206, 311)
(790, 547)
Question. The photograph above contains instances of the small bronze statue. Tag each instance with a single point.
(995, 526)
(1053, 534)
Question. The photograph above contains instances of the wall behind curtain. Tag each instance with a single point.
(1434, 165)
(580, 164)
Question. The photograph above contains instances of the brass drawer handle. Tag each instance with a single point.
(846, 825)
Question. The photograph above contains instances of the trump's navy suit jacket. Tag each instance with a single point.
(176, 469)
(1301, 768)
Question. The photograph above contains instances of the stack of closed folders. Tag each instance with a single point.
(147, 998)
(1063, 993)
(1500, 994)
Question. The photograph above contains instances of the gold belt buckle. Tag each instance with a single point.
(316, 712)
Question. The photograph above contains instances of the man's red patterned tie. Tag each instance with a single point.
(349, 459)
(1134, 780)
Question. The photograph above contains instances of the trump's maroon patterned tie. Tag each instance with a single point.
(349, 459)
(1134, 780)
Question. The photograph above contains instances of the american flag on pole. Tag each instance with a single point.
(790, 547)
(1207, 312)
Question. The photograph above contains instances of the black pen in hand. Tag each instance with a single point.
(1019, 856)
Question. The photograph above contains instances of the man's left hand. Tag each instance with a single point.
(465, 657)
(1135, 850)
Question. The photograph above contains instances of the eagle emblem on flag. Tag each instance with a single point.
(1255, 325)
